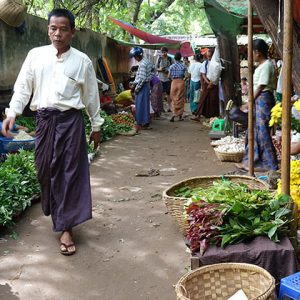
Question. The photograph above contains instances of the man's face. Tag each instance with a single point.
(164, 54)
(138, 58)
(60, 33)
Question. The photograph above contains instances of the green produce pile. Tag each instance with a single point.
(18, 183)
(240, 214)
(28, 122)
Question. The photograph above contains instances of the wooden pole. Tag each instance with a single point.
(286, 95)
(250, 92)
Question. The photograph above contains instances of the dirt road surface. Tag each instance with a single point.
(131, 249)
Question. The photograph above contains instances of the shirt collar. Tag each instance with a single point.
(63, 56)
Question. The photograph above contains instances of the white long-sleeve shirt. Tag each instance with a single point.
(62, 83)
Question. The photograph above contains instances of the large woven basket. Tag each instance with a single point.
(176, 205)
(221, 281)
(233, 157)
(12, 12)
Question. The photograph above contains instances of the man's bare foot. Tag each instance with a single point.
(67, 246)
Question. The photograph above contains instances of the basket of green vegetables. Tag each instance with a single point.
(177, 196)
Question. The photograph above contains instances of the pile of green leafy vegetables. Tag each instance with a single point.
(18, 184)
(240, 214)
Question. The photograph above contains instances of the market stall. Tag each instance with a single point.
(237, 219)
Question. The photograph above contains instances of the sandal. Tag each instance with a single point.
(65, 249)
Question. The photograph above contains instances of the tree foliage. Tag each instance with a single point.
(157, 16)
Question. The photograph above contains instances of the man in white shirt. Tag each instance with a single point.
(195, 85)
(61, 81)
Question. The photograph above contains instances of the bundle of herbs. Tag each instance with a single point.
(230, 213)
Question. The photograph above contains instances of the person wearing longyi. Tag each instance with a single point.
(62, 81)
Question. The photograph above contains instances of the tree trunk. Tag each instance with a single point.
(231, 74)
(268, 11)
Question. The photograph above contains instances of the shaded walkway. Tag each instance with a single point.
(131, 249)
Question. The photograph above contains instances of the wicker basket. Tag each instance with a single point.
(12, 12)
(234, 157)
(221, 281)
(176, 205)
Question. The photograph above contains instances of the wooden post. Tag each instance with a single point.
(286, 95)
(250, 92)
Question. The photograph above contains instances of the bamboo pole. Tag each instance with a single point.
(250, 92)
(286, 95)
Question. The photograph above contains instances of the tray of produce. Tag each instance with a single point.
(21, 140)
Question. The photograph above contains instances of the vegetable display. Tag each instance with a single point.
(18, 183)
(229, 213)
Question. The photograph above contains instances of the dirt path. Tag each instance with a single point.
(131, 249)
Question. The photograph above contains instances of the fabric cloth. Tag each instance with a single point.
(195, 71)
(208, 105)
(177, 96)
(264, 151)
(62, 83)
(261, 251)
(164, 63)
(142, 105)
(144, 74)
(62, 167)
(105, 99)
(156, 95)
(194, 86)
(177, 70)
(265, 75)
(166, 87)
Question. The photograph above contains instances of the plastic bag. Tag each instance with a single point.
(215, 67)
(196, 96)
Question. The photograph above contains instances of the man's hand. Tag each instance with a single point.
(95, 137)
(8, 124)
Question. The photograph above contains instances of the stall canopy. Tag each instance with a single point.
(153, 41)
(229, 17)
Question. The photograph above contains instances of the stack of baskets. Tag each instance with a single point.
(221, 281)
(176, 206)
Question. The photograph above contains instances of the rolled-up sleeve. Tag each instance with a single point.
(23, 88)
(91, 98)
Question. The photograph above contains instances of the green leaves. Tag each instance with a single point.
(18, 183)
(246, 213)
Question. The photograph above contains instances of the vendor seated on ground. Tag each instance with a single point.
(107, 104)
(125, 99)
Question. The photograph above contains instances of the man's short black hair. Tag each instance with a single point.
(178, 56)
(164, 49)
(62, 12)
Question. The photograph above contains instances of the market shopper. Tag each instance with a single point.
(187, 80)
(163, 64)
(208, 105)
(141, 87)
(62, 81)
(176, 73)
(195, 83)
(264, 86)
